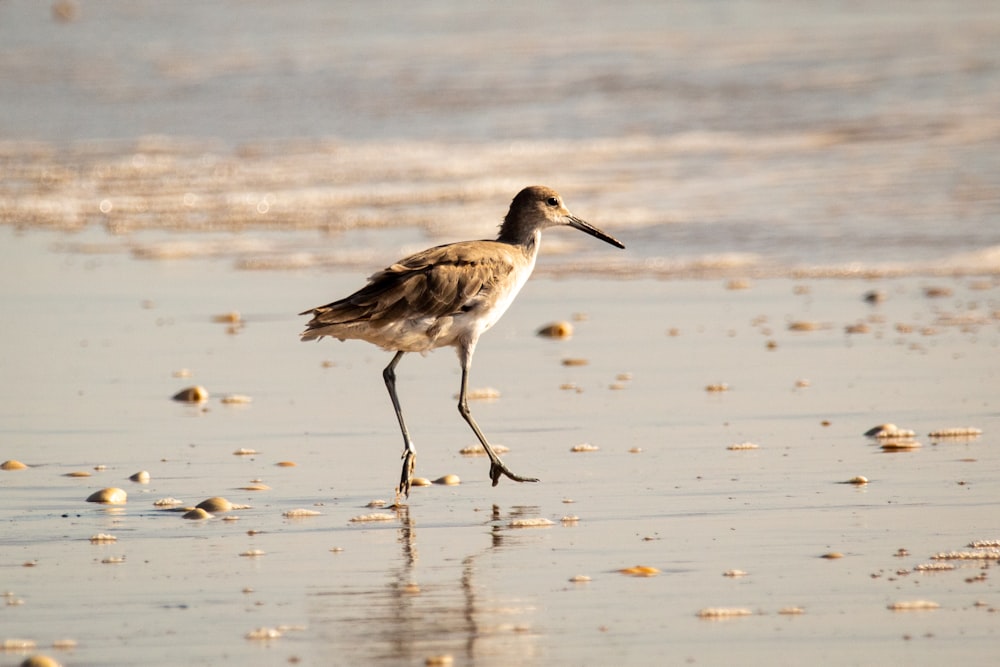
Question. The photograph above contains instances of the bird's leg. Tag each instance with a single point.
(497, 466)
(409, 451)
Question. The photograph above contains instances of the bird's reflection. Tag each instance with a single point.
(445, 605)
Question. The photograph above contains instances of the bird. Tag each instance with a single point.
(448, 295)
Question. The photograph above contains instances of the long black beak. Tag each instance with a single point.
(584, 226)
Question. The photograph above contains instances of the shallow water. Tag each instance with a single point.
(748, 137)
(99, 338)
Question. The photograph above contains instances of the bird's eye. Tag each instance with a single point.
(552, 201)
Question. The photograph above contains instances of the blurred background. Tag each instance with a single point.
(751, 137)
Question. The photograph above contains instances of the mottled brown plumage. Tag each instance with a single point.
(448, 296)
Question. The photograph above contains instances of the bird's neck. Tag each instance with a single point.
(527, 240)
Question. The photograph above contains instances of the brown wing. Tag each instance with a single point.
(437, 282)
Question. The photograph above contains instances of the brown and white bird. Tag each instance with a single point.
(448, 296)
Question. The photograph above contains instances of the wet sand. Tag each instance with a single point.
(93, 342)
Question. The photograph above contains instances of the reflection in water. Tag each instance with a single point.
(428, 608)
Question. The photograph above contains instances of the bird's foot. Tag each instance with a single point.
(409, 462)
(498, 468)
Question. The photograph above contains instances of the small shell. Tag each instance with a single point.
(236, 399)
(141, 477)
(860, 480)
(286, 464)
(167, 502)
(717, 387)
(420, 481)
(197, 514)
(832, 555)
(102, 538)
(575, 362)
(448, 480)
(108, 496)
(579, 579)
(791, 611)
(735, 574)
(12, 464)
(640, 571)
(78, 473)
(803, 325)
(556, 330)
(232, 317)
(585, 447)
(39, 661)
(900, 445)
(195, 394)
(300, 512)
(243, 451)
(477, 450)
(933, 567)
(252, 553)
(215, 504)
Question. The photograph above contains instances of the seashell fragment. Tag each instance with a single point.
(376, 516)
(443, 660)
(791, 611)
(236, 399)
(102, 538)
(860, 480)
(989, 553)
(478, 450)
(78, 473)
(717, 387)
(252, 553)
(742, 446)
(243, 451)
(579, 579)
(12, 464)
(640, 571)
(585, 447)
(575, 361)
(17, 644)
(195, 394)
(263, 634)
(481, 394)
(286, 464)
(300, 512)
(892, 445)
(832, 555)
(803, 325)
(113, 560)
(108, 496)
(561, 330)
(735, 574)
(933, 567)
(913, 605)
(531, 523)
(889, 431)
(167, 502)
(964, 432)
(723, 612)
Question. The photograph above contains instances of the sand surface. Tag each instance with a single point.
(93, 343)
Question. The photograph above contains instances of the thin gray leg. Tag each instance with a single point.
(409, 451)
(497, 466)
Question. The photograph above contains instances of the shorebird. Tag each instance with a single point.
(448, 296)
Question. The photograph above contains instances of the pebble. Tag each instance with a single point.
(12, 464)
(108, 496)
(556, 330)
(832, 555)
(195, 394)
